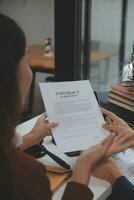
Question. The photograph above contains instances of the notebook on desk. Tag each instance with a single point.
(57, 176)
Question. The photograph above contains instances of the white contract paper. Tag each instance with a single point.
(74, 106)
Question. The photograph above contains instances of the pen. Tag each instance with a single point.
(55, 158)
(109, 121)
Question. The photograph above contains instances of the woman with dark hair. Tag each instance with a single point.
(21, 176)
(12, 50)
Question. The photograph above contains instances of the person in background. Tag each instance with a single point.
(21, 176)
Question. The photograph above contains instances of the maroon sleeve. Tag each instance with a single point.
(29, 178)
(35, 184)
(77, 191)
(39, 186)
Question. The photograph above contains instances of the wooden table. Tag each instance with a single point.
(39, 62)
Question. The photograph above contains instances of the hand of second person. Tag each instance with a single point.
(88, 160)
(115, 120)
(124, 134)
(122, 141)
(108, 170)
(94, 154)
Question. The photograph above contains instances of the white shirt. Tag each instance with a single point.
(18, 140)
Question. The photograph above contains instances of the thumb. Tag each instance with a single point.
(107, 142)
(53, 125)
(115, 128)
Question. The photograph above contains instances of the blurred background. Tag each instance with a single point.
(90, 39)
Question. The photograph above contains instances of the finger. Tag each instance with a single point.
(46, 120)
(105, 111)
(123, 147)
(119, 137)
(43, 118)
(45, 115)
(105, 161)
(109, 114)
(124, 138)
(128, 145)
(48, 133)
(108, 120)
(53, 125)
(107, 142)
(109, 137)
(115, 128)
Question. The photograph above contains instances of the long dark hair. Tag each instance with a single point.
(12, 49)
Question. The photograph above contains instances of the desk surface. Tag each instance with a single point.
(38, 59)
